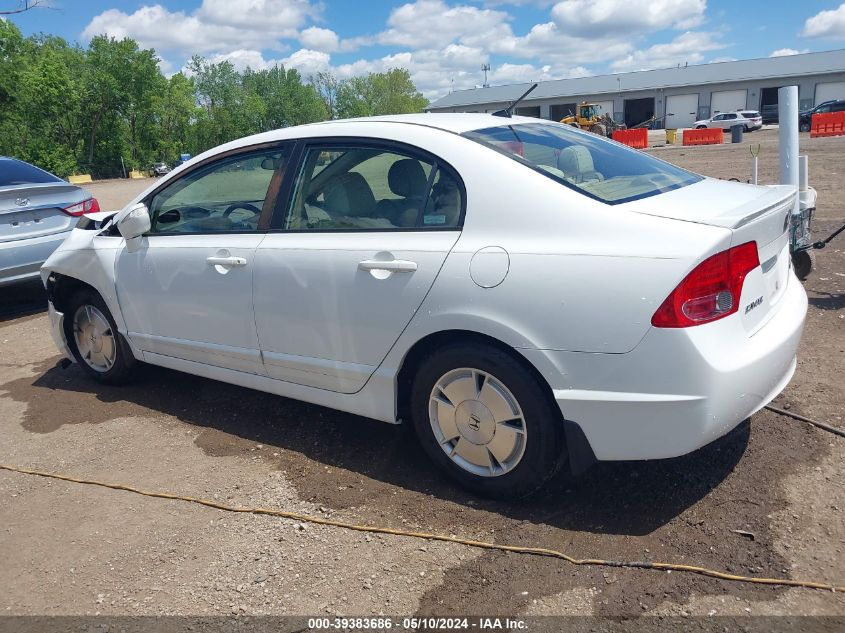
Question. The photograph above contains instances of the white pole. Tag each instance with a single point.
(803, 173)
(754, 170)
(788, 137)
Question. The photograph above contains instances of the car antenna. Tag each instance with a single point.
(508, 111)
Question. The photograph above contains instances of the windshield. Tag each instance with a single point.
(601, 169)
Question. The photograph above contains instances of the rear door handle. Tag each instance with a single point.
(226, 261)
(391, 265)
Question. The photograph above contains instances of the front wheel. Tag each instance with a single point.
(93, 339)
(700, 127)
(484, 419)
(804, 127)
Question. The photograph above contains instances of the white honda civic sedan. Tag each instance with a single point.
(527, 295)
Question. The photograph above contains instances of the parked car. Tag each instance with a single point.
(726, 120)
(525, 294)
(805, 119)
(769, 113)
(159, 169)
(37, 211)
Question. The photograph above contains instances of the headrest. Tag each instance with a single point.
(349, 195)
(575, 160)
(406, 178)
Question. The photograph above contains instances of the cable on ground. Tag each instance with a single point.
(820, 425)
(517, 549)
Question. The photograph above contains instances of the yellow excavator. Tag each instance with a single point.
(589, 118)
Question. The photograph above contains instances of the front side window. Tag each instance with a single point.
(225, 196)
(372, 188)
(601, 169)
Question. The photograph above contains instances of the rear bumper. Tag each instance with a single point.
(21, 260)
(680, 389)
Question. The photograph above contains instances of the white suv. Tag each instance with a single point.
(749, 119)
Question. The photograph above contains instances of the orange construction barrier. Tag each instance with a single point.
(709, 136)
(638, 139)
(828, 124)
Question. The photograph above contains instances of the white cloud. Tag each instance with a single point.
(217, 25)
(603, 17)
(433, 23)
(828, 24)
(307, 62)
(278, 16)
(783, 52)
(688, 47)
(319, 39)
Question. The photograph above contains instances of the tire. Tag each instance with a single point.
(105, 356)
(701, 127)
(803, 127)
(803, 262)
(530, 446)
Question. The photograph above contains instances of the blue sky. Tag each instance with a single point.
(444, 42)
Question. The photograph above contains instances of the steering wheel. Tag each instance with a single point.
(193, 212)
(241, 205)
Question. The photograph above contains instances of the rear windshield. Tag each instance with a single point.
(751, 114)
(601, 169)
(15, 172)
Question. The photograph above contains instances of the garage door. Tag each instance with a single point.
(728, 101)
(830, 91)
(681, 110)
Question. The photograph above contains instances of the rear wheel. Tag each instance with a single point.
(484, 419)
(93, 339)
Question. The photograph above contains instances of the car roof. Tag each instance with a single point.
(454, 123)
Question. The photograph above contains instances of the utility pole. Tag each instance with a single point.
(485, 68)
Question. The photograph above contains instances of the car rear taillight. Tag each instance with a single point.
(81, 208)
(711, 291)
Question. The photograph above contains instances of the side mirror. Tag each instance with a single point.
(133, 224)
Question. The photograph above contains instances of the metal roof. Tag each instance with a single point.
(720, 72)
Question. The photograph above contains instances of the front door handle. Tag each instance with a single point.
(391, 265)
(226, 261)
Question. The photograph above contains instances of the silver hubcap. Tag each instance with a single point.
(477, 422)
(94, 338)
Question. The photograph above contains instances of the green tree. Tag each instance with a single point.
(175, 111)
(392, 92)
(327, 86)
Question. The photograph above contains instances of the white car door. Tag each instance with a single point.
(187, 291)
(365, 233)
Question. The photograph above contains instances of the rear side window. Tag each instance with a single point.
(601, 169)
(348, 188)
(16, 172)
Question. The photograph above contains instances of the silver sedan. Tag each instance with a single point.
(37, 211)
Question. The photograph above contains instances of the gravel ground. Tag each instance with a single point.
(72, 549)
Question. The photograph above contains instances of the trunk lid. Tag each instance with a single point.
(753, 214)
(35, 210)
